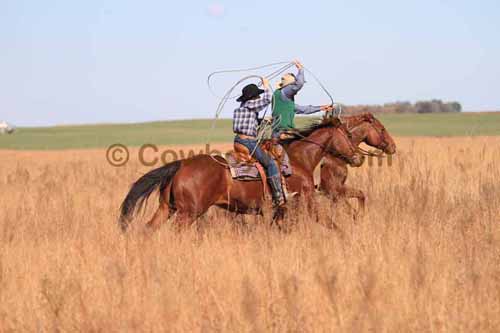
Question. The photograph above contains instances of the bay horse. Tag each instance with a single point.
(191, 186)
(363, 128)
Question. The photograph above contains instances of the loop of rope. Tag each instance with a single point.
(228, 94)
(270, 76)
(285, 66)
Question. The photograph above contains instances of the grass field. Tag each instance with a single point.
(425, 257)
(198, 131)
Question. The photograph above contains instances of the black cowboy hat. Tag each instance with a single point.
(249, 92)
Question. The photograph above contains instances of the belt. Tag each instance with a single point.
(246, 137)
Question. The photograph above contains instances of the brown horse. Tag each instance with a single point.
(190, 187)
(363, 128)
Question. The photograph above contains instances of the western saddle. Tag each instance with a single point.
(243, 154)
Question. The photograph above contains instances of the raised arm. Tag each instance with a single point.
(261, 103)
(291, 90)
(307, 109)
(310, 109)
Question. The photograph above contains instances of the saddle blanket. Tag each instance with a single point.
(245, 171)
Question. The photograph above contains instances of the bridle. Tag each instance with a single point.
(382, 147)
(326, 148)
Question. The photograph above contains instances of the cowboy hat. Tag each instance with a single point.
(249, 92)
(286, 80)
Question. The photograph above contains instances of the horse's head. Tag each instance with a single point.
(341, 144)
(375, 134)
(329, 137)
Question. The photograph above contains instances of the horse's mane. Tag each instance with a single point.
(360, 118)
(357, 119)
(311, 128)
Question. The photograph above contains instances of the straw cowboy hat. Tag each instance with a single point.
(286, 80)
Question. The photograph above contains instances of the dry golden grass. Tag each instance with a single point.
(425, 256)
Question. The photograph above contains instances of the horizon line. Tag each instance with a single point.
(111, 123)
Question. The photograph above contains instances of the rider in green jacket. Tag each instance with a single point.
(284, 107)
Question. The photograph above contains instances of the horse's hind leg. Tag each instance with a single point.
(183, 220)
(163, 212)
(161, 215)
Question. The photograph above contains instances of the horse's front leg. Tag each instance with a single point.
(350, 192)
(308, 194)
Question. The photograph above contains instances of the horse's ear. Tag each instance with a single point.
(329, 115)
(369, 117)
(336, 121)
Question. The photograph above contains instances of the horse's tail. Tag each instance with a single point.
(142, 189)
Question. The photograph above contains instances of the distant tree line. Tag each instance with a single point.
(432, 106)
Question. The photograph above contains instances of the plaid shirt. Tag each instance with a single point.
(245, 117)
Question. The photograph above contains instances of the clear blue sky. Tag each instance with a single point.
(91, 61)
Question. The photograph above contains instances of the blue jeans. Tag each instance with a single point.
(263, 158)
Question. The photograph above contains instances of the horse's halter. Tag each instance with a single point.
(383, 144)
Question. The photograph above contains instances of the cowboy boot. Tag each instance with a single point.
(279, 199)
(277, 191)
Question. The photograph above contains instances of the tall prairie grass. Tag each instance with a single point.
(424, 257)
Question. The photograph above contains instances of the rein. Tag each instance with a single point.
(327, 149)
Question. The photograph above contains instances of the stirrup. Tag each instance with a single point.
(280, 203)
(286, 194)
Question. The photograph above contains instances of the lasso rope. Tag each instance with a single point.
(229, 94)
(287, 64)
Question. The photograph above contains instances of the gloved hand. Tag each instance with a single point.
(265, 83)
(298, 64)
